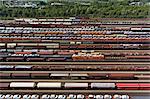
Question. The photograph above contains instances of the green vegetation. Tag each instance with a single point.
(97, 9)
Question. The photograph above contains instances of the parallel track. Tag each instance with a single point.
(102, 72)
(50, 80)
(148, 51)
(71, 63)
(78, 91)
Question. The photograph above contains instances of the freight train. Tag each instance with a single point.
(75, 76)
(67, 85)
(99, 67)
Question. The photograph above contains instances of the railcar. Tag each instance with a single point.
(142, 76)
(27, 96)
(76, 85)
(117, 97)
(121, 76)
(4, 85)
(45, 52)
(78, 76)
(17, 96)
(35, 59)
(49, 85)
(126, 86)
(144, 86)
(22, 67)
(2, 96)
(55, 59)
(97, 76)
(45, 96)
(59, 75)
(103, 85)
(107, 96)
(6, 67)
(41, 75)
(5, 75)
(20, 75)
(22, 85)
(14, 59)
(8, 96)
(62, 96)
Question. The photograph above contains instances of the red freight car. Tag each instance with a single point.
(130, 86)
(144, 86)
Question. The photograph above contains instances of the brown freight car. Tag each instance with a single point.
(97, 76)
(20, 75)
(5, 75)
(39, 75)
(121, 76)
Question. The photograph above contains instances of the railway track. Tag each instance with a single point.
(78, 91)
(49, 80)
(78, 63)
(121, 50)
(102, 72)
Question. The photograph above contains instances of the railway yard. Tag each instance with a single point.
(75, 58)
